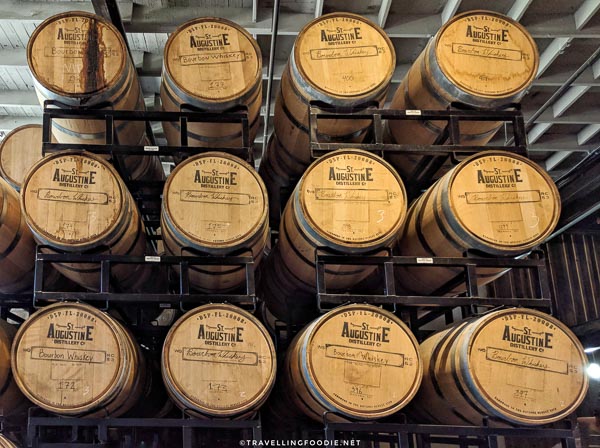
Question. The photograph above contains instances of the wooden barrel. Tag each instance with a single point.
(215, 203)
(75, 202)
(521, 366)
(12, 400)
(215, 65)
(72, 359)
(495, 202)
(276, 177)
(5, 442)
(357, 361)
(81, 60)
(20, 149)
(479, 58)
(218, 361)
(342, 60)
(347, 202)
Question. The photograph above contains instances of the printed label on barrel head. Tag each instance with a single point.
(72, 199)
(68, 357)
(219, 358)
(503, 200)
(487, 55)
(527, 365)
(214, 200)
(353, 197)
(364, 361)
(212, 60)
(76, 55)
(344, 56)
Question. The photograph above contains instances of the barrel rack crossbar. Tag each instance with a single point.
(446, 147)
(39, 423)
(408, 435)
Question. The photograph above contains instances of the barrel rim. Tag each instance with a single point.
(84, 245)
(306, 342)
(507, 247)
(119, 372)
(3, 144)
(109, 85)
(495, 405)
(517, 25)
(171, 381)
(168, 75)
(194, 241)
(389, 236)
(295, 56)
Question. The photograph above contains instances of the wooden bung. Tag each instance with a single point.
(358, 361)
(218, 361)
(72, 359)
(495, 202)
(521, 366)
(215, 203)
(76, 202)
(479, 58)
(348, 202)
(215, 65)
(342, 60)
(81, 60)
(20, 149)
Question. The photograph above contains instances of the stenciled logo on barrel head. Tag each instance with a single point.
(70, 333)
(73, 178)
(215, 178)
(341, 35)
(209, 41)
(499, 178)
(527, 339)
(487, 35)
(364, 334)
(350, 175)
(76, 34)
(220, 335)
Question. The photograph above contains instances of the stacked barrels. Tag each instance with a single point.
(213, 65)
(81, 60)
(481, 59)
(340, 60)
(348, 202)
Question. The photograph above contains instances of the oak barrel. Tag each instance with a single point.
(12, 400)
(358, 361)
(215, 203)
(72, 359)
(215, 65)
(75, 202)
(482, 59)
(347, 202)
(342, 60)
(495, 202)
(81, 60)
(20, 149)
(5, 442)
(218, 361)
(518, 365)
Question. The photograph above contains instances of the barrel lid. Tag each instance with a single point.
(76, 53)
(220, 360)
(528, 366)
(72, 199)
(352, 198)
(345, 55)
(487, 54)
(68, 357)
(20, 149)
(363, 360)
(215, 200)
(504, 199)
(213, 59)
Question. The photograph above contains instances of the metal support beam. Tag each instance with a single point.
(319, 8)
(254, 11)
(450, 9)
(555, 159)
(585, 12)
(537, 131)
(384, 11)
(587, 133)
(556, 47)
(518, 9)
(568, 99)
